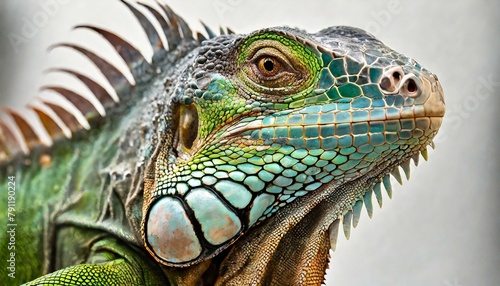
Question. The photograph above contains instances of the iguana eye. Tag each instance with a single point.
(274, 67)
(269, 67)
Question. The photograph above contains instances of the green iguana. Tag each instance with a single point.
(232, 160)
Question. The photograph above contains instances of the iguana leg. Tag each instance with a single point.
(109, 263)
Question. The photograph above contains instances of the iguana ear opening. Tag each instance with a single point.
(186, 121)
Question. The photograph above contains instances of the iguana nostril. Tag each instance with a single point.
(391, 79)
(411, 86)
(386, 84)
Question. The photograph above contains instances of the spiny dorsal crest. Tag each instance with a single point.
(19, 136)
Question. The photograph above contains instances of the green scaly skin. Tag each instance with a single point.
(232, 161)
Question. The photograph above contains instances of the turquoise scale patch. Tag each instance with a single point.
(365, 149)
(349, 90)
(326, 118)
(333, 94)
(328, 107)
(321, 163)
(360, 128)
(391, 137)
(399, 101)
(329, 143)
(377, 139)
(281, 119)
(295, 119)
(326, 57)
(311, 119)
(326, 80)
(256, 161)
(382, 148)
(267, 133)
(339, 159)
(392, 112)
(377, 127)
(311, 131)
(347, 150)
(349, 165)
(408, 124)
(265, 176)
(361, 140)
(316, 152)
(301, 178)
(389, 100)
(249, 169)
(286, 149)
(372, 91)
(197, 174)
(343, 129)
(277, 157)
(297, 143)
(336, 67)
(274, 189)
(294, 187)
(281, 132)
(328, 155)
(375, 74)
(361, 115)
(313, 186)
(268, 120)
(221, 175)
(208, 180)
(361, 103)
(299, 167)
(300, 193)
(273, 168)
(377, 114)
(327, 131)
(260, 204)
(218, 223)
(326, 179)
(282, 181)
(312, 143)
(288, 161)
(405, 134)
(309, 160)
(343, 117)
(237, 176)
(379, 102)
(299, 154)
(329, 167)
(194, 182)
(255, 134)
(312, 171)
(236, 194)
(254, 183)
(311, 110)
(392, 126)
(353, 67)
(296, 132)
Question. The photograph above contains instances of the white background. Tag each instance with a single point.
(443, 226)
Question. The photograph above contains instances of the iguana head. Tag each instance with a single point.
(267, 121)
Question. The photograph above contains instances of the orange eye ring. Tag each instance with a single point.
(269, 66)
